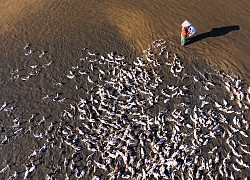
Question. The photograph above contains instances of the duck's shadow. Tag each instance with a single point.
(215, 32)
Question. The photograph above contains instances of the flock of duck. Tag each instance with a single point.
(149, 119)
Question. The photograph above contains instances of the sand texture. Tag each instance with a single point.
(103, 89)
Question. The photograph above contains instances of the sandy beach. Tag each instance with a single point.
(130, 26)
(63, 29)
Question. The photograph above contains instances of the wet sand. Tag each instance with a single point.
(63, 28)
(127, 27)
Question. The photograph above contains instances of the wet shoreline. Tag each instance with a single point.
(38, 91)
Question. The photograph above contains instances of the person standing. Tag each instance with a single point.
(184, 31)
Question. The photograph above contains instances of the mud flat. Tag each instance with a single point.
(95, 90)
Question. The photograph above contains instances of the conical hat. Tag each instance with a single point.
(185, 23)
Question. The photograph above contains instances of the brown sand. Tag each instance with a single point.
(64, 27)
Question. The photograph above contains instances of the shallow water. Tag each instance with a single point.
(128, 27)
(63, 28)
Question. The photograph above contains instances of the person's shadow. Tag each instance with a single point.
(215, 32)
